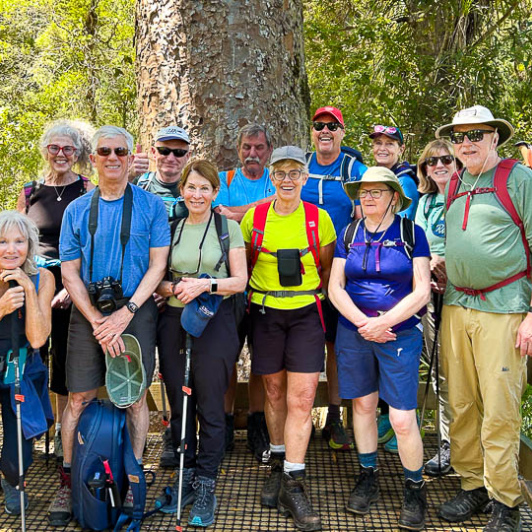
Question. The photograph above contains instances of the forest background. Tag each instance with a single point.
(410, 63)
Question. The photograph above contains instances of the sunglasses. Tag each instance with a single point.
(104, 151)
(293, 175)
(374, 193)
(164, 151)
(54, 149)
(445, 159)
(475, 135)
(331, 126)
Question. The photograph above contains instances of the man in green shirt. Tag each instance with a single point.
(486, 321)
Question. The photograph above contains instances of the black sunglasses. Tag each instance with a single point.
(104, 151)
(475, 135)
(445, 159)
(331, 126)
(178, 152)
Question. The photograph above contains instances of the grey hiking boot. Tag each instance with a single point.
(269, 494)
(12, 498)
(167, 502)
(294, 501)
(202, 511)
(504, 519)
(464, 505)
(365, 492)
(60, 511)
(414, 507)
(440, 464)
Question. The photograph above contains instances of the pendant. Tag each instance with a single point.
(58, 198)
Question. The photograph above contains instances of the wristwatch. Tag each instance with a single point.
(132, 307)
(214, 286)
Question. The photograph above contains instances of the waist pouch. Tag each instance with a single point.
(7, 366)
(289, 267)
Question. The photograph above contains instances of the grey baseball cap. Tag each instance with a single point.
(290, 153)
(172, 133)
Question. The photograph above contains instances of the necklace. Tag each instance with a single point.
(59, 194)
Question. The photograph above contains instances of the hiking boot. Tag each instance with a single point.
(336, 436)
(503, 519)
(294, 501)
(60, 511)
(167, 501)
(384, 428)
(258, 437)
(441, 463)
(414, 507)
(202, 511)
(58, 446)
(229, 443)
(365, 492)
(168, 457)
(464, 505)
(12, 498)
(269, 494)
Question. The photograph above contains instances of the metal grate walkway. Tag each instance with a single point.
(330, 479)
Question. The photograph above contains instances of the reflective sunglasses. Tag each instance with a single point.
(331, 126)
(445, 159)
(385, 129)
(178, 152)
(293, 175)
(54, 149)
(475, 135)
(105, 151)
(374, 193)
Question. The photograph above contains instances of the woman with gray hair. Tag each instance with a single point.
(26, 294)
(65, 146)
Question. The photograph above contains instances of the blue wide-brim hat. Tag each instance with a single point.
(199, 311)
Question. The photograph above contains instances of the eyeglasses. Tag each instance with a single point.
(445, 159)
(293, 175)
(164, 151)
(374, 193)
(331, 126)
(54, 149)
(105, 151)
(475, 135)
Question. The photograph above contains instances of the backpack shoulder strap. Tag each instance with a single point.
(84, 183)
(229, 176)
(453, 187)
(29, 190)
(408, 235)
(312, 215)
(144, 180)
(222, 230)
(257, 234)
(350, 233)
(347, 164)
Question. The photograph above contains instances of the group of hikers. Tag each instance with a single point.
(344, 267)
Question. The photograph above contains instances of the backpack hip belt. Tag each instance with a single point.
(480, 292)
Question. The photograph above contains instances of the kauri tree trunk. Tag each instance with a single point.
(214, 66)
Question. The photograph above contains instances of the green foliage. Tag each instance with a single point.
(526, 412)
(60, 59)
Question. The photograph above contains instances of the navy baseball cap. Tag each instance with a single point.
(390, 131)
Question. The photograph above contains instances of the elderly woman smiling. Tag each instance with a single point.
(379, 284)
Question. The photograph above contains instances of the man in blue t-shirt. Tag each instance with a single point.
(329, 168)
(138, 264)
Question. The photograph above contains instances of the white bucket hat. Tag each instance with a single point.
(478, 115)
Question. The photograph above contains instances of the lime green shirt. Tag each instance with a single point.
(286, 232)
(186, 254)
(490, 249)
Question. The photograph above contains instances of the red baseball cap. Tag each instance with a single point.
(333, 111)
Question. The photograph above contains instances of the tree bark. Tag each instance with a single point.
(213, 66)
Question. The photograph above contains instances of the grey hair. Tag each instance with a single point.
(15, 220)
(78, 132)
(110, 132)
(253, 130)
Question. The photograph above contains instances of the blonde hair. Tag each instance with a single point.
(427, 185)
(27, 228)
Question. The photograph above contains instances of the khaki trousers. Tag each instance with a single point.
(486, 377)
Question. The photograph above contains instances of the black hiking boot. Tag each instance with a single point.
(269, 495)
(504, 519)
(414, 507)
(202, 511)
(464, 505)
(294, 501)
(365, 492)
(258, 437)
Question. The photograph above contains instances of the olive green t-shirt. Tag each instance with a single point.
(185, 256)
(490, 249)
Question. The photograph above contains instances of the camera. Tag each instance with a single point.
(105, 293)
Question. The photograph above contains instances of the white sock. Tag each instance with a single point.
(57, 427)
(277, 449)
(290, 467)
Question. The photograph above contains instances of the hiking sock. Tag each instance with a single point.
(368, 459)
(290, 467)
(414, 476)
(277, 449)
(67, 467)
(333, 414)
(58, 427)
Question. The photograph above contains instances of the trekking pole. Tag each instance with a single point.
(182, 446)
(438, 300)
(16, 319)
(163, 399)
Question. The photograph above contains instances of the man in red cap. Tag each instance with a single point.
(330, 166)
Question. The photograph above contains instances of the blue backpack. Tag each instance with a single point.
(103, 467)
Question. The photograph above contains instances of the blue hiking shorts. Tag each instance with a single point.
(391, 368)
